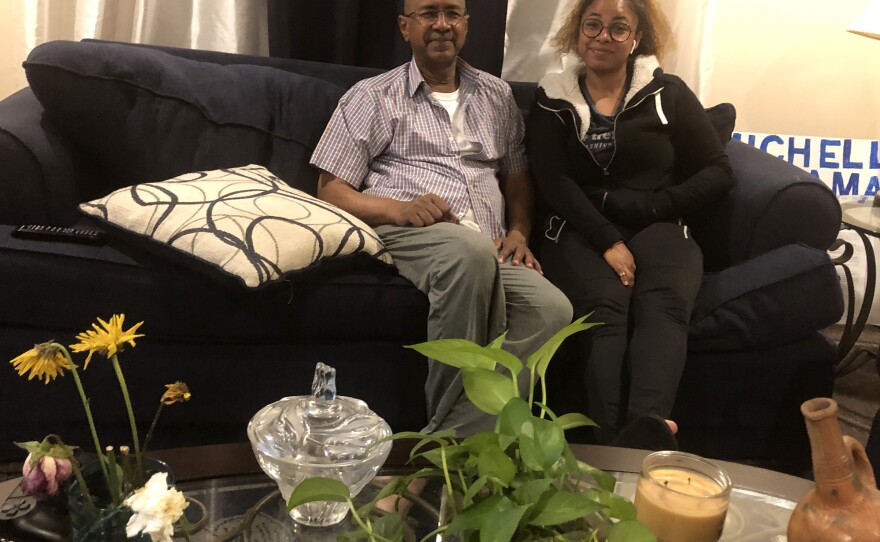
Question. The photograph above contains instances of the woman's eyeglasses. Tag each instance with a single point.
(619, 32)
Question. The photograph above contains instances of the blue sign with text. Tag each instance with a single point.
(850, 167)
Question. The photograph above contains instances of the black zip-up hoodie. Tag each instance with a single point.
(668, 160)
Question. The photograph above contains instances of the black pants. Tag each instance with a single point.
(635, 359)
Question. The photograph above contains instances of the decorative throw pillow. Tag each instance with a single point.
(242, 221)
(723, 119)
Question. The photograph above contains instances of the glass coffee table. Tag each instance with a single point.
(233, 501)
(248, 507)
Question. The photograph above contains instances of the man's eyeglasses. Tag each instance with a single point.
(619, 32)
(431, 16)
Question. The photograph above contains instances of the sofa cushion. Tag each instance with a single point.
(244, 222)
(777, 297)
(69, 284)
(146, 115)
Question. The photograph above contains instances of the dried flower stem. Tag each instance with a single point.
(91, 419)
(152, 427)
(185, 527)
(127, 474)
(114, 480)
(134, 434)
(80, 479)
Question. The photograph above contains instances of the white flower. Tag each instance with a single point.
(156, 507)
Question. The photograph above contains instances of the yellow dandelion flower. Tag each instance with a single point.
(44, 361)
(175, 393)
(106, 339)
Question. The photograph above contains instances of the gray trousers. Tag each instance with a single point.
(472, 297)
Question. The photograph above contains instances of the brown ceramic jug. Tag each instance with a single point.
(845, 504)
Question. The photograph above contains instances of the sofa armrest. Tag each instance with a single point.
(38, 177)
(772, 204)
(775, 298)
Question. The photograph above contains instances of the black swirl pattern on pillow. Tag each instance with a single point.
(245, 221)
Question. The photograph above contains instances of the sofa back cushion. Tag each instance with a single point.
(340, 74)
(146, 115)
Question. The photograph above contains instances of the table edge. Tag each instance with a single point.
(215, 461)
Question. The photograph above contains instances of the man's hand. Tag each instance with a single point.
(424, 211)
(620, 259)
(516, 247)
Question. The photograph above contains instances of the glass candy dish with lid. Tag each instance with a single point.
(321, 434)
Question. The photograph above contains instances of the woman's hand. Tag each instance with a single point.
(620, 259)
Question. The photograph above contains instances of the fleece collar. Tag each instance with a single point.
(564, 86)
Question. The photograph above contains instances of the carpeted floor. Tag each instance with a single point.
(858, 393)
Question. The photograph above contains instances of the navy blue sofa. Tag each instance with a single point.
(80, 131)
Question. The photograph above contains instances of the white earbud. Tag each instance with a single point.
(635, 44)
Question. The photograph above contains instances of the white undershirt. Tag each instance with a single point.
(450, 102)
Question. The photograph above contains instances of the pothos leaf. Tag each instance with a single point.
(563, 507)
(489, 391)
(541, 443)
(618, 507)
(318, 489)
(514, 414)
(541, 358)
(472, 518)
(500, 525)
(572, 420)
(505, 359)
(480, 441)
(389, 526)
(493, 463)
(602, 478)
(530, 492)
(499, 341)
(450, 454)
(468, 498)
(393, 487)
(458, 353)
(630, 531)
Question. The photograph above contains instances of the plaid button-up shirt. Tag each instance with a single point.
(390, 138)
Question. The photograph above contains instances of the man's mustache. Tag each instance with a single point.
(440, 36)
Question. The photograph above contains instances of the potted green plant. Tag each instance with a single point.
(520, 482)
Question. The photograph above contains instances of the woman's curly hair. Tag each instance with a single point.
(653, 24)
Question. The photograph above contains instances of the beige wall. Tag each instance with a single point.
(790, 67)
(14, 49)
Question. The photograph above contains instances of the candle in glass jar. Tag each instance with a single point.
(680, 504)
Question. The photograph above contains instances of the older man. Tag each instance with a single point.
(431, 155)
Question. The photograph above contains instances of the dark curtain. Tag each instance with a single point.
(365, 33)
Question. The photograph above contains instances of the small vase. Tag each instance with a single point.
(845, 504)
(103, 522)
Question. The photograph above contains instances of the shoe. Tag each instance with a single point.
(649, 432)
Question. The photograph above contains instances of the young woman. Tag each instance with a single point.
(622, 154)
